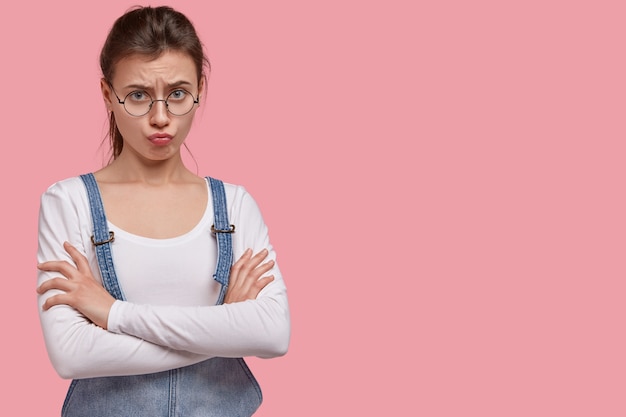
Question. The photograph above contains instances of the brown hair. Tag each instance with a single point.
(148, 31)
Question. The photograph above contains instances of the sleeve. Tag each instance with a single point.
(259, 327)
(76, 347)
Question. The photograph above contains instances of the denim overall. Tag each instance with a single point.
(216, 387)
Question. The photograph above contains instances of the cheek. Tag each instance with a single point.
(185, 124)
(125, 125)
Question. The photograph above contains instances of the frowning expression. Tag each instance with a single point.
(139, 95)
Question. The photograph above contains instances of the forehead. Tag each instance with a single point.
(168, 68)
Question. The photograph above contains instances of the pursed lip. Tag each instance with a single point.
(159, 136)
(160, 139)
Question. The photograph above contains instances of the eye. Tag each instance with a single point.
(139, 95)
(178, 95)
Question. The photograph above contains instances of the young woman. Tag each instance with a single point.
(128, 304)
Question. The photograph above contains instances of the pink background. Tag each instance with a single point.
(443, 182)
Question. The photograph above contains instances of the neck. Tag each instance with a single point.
(126, 168)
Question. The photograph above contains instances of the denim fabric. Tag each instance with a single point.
(101, 238)
(220, 387)
(222, 234)
(217, 387)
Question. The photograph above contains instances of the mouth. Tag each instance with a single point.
(160, 139)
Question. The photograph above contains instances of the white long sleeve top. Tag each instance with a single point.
(169, 318)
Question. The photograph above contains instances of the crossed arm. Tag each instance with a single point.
(80, 290)
(89, 334)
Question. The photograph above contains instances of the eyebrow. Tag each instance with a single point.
(169, 85)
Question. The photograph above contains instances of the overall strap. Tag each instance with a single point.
(223, 232)
(102, 237)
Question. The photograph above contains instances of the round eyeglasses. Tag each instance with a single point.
(138, 103)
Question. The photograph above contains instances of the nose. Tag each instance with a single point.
(159, 116)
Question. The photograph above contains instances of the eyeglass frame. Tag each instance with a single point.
(152, 101)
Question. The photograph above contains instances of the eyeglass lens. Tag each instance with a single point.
(179, 102)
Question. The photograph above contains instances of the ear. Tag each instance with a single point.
(200, 88)
(106, 94)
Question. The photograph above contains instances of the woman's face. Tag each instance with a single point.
(158, 134)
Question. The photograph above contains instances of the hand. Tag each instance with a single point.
(245, 281)
(80, 289)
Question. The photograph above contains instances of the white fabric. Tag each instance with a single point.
(169, 319)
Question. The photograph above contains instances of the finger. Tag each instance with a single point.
(248, 283)
(258, 258)
(261, 269)
(235, 270)
(54, 284)
(245, 257)
(55, 300)
(81, 261)
(266, 266)
(262, 282)
(258, 285)
(62, 267)
(249, 266)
